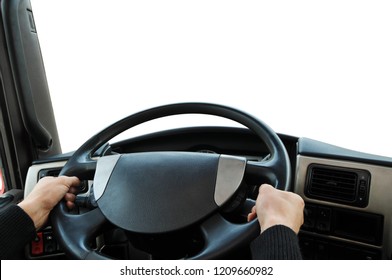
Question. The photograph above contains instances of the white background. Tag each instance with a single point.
(304, 270)
(318, 69)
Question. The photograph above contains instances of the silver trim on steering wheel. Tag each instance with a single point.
(231, 171)
(105, 166)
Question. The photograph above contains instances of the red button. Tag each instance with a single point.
(37, 246)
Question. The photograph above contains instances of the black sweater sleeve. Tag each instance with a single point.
(276, 243)
(17, 229)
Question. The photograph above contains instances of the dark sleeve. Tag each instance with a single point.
(276, 243)
(17, 229)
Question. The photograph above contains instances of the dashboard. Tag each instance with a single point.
(347, 194)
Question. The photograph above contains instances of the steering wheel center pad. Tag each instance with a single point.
(160, 192)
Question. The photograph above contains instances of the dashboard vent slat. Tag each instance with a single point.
(336, 184)
(333, 183)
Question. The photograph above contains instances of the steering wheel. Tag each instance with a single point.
(164, 192)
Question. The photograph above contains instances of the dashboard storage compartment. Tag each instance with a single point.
(335, 233)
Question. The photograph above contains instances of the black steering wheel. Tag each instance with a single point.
(162, 192)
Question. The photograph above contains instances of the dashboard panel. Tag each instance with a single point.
(342, 221)
(332, 228)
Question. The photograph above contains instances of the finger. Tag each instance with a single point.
(265, 188)
(70, 205)
(69, 197)
(73, 190)
(251, 216)
(253, 209)
(69, 181)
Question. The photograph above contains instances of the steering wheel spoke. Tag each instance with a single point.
(222, 236)
(83, 168)
(83, 227)
(271, 171)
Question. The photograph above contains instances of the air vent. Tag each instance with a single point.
(348, 186)
(49, 172)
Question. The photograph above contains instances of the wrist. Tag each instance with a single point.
(32, 212)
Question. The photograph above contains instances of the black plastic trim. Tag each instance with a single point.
(29, 75)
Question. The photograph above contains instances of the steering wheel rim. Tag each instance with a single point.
(220, 235)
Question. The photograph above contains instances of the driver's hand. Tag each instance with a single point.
(46, 194)
(276, 207)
